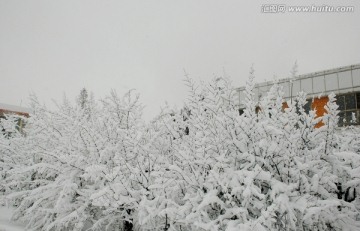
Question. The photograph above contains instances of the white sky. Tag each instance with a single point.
(56, 47)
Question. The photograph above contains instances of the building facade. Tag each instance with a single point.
(8, 109)
(11, 109)
(343, 81)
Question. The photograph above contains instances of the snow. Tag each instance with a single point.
(5, 223)
(98, 166)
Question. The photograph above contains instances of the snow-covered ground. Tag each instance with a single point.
(5, 223)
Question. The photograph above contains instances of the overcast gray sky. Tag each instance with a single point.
(56, 47)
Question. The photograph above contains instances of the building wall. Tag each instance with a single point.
(20, 122)
(343, 81)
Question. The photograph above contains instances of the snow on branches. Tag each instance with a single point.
(95, 165)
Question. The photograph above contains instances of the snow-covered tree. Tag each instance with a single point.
(97, 166)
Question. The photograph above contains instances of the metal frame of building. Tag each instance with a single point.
(342, 81)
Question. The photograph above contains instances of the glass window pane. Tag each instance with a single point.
(349, 117)
(241, 111)
(306, 85)
(350, 101)
(263, 90)
(237, 97)
(285, 87)
(256, 97)
(341, 118)
(345, 79)
(331, 82)
(341, 102)
(242, 97)
(295, 88)
(318, 84)
(356, 77)
(307, 106)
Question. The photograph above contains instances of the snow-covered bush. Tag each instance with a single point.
(270, 170)
(79, 165)
(12, 145)
(96, 165)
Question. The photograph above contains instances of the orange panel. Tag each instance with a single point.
(319, 105)
(284, 105)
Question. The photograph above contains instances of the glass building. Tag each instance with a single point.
(343, 81)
